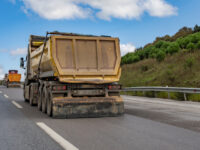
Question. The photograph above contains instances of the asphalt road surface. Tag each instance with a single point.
(148, 124)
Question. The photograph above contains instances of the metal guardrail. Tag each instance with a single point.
(164, 89)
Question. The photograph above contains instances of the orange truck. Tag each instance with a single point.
(13, 79)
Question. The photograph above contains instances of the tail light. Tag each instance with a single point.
(114, 87)
(60, 88)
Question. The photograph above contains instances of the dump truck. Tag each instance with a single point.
(13, 79)
(72, 75)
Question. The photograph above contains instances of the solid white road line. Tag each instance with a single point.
(151, 101)
(17, 105)
(6, 96)
(60, 140)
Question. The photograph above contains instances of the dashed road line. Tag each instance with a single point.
(6, 96)
(17, 105)
(60, 140)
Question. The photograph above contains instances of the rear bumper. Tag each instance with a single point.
(10, 84)
(65, 107)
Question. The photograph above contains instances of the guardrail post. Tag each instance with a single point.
(185, 96)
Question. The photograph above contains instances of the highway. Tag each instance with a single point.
(152, 124)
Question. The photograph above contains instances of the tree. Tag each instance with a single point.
(182, 33)
(197, 28)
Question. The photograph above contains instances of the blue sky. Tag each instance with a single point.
(135, 22)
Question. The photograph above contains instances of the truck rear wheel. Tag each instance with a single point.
(49, 105)
(31, 96)
(44, 100)
(26, 100)
(40, 98)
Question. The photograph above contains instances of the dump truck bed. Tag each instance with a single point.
(70, 75)
(14, 77)
(79, 59)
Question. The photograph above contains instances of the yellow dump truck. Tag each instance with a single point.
(12, 79)
(72, 75)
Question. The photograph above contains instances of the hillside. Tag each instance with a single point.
(181, 69)
(168, 61)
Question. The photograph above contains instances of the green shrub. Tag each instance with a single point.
(194, 39)
(173, 48)
(165, 45)
(179, 96)
(160, 56)
(191, 46)
(140, 54)
(146, 53)
(159, 44)
(130, 58)
(135, 59)
(198, 45)
(183, 42)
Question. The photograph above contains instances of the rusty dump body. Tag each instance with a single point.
(71, 75)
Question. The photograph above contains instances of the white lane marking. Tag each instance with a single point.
(60, 140)
(0, 91)
(6, 96)
(17, 105)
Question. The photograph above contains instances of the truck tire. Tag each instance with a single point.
(31, 96)
(40, 98)
(26, 100)
(49, 105)
(44, 100)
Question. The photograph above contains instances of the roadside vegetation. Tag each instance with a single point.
(186, 39)
(168, 61)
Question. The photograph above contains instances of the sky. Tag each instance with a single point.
(135, 22)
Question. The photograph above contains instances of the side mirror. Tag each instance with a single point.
(22, 62)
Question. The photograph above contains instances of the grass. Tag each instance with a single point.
(179, 70)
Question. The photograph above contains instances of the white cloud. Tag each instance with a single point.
(19, 51)
(1, 73)
(126, 48)
(159, 8)
(103, 9)
(57, 9)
